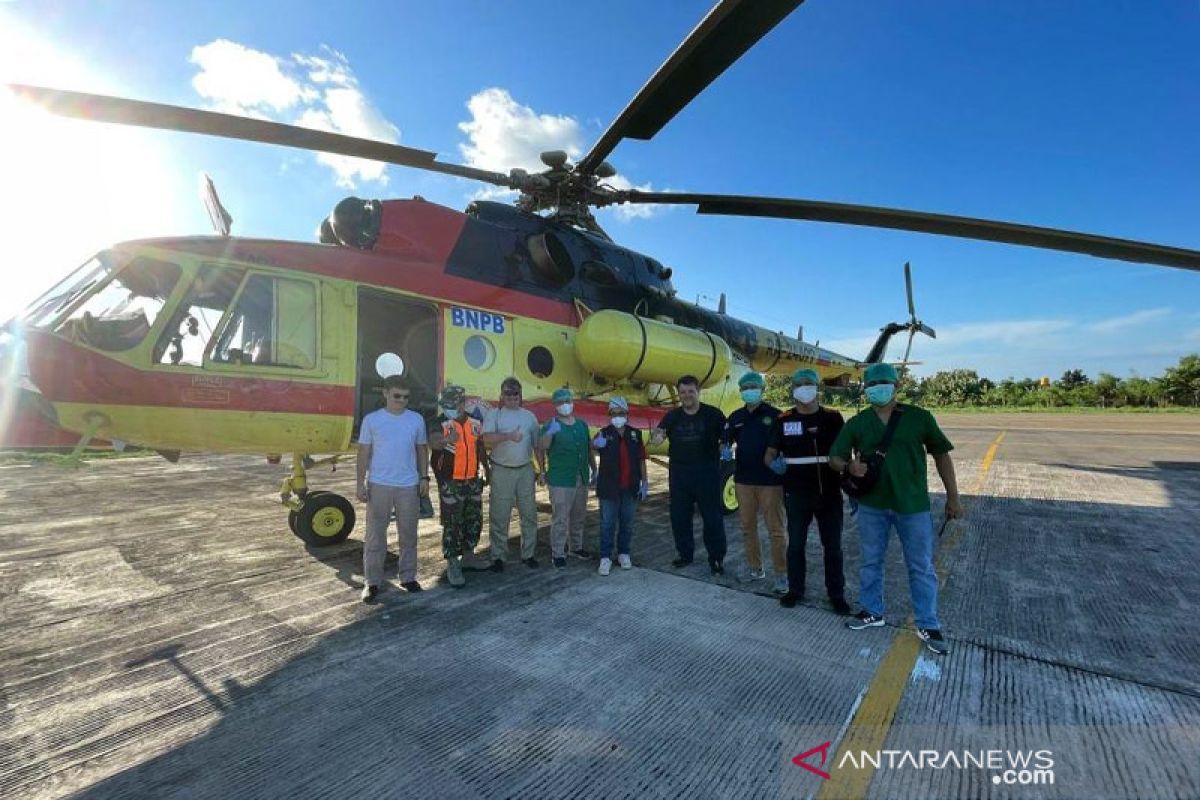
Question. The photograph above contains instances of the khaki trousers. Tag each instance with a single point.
(569, 507)
(769, 501)
(512, 485)
(381, 502)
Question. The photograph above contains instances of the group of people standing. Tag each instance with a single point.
(790, 467)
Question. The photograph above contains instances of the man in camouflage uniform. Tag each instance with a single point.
(458, 452)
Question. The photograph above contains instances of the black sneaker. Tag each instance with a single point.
(560, 562)
(369, 593)
(933, 640)
(411, 586)
(717, 567)
(497, 566)
(839, 605)
(681, 562)
(864, 619)
(531, 562)
(790, 599)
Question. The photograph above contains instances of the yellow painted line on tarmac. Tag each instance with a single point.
(871, 723)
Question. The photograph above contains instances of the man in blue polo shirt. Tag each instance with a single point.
(759, 490)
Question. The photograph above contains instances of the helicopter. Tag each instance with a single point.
(240, 345)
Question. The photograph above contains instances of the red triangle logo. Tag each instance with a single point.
(823, 749)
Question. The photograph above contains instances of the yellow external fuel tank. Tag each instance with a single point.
(621, 346)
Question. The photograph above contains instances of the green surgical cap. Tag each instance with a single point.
(751, 379)
(562, 395)
(805, 375)
(881, 372)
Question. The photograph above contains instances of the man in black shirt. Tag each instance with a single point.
(759, 489)
(800, 452)
(695, 431)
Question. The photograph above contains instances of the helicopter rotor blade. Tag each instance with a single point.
(907, 350)
(925, 329)
(123, 111)
(912, 314)
(924, 222)
(730, 29)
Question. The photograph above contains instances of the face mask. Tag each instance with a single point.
(565, 409)
(881, 395)
(805, 394)
(451, 413)
(619, 422)
(752, 396)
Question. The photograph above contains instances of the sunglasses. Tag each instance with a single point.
(395, 396)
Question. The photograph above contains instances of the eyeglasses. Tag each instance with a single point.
(395, 396)
(510, 393)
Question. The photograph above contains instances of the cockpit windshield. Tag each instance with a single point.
(121, 310)
(47, 308)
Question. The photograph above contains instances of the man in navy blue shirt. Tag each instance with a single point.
(759, 490)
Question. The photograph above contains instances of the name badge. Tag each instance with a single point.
(793, 428)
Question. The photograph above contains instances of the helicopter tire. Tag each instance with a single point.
(729, 501)
(325, 519)
(293, 516)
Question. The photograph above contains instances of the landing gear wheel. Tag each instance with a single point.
(293, 516)
(325, 519)
(729, 501)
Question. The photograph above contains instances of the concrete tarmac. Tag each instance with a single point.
(164, 635)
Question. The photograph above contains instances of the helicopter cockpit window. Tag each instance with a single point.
(191, 327)
(274, 323)
(599, 274)
(46, 309)
(120, 313)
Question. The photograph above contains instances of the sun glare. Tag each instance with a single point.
(71, 187)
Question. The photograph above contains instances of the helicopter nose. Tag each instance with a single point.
(18, 393)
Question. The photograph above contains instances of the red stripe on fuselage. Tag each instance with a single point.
(67, 373)
(419, 238)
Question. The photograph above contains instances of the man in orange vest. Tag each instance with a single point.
(456, 466)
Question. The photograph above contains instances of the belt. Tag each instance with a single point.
(509, 466)
(808, 460)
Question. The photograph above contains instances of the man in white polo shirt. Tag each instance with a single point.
(393, 475)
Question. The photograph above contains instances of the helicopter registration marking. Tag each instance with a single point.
(479, 320)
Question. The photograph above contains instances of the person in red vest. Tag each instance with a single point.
(621, 481)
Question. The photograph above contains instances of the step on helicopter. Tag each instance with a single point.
(238, 345)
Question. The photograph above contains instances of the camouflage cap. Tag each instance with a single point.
(452, 395)
(618, 403)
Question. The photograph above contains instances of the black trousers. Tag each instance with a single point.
(801, 510)
(697, 485)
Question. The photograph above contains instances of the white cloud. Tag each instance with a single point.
(503, 134)
(628, 211)
(315, 91)
(1126, 321)
(1017, 331)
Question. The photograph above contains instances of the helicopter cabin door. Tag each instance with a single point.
(389, 323)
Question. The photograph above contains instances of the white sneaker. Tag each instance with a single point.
(781, 585)
(751, 575)
(605, 566)
(623, 560)
(369, 593)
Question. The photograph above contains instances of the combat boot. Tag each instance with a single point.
(454, 572)
(474, 563)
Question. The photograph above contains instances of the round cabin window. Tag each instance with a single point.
(540, 362)
(479, 352)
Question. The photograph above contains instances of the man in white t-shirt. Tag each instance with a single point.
(393, 475)
(509, 433)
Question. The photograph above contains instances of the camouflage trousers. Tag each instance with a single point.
(462, 515)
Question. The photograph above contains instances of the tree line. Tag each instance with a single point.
(1177, 386)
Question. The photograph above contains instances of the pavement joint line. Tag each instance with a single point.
(872, 721)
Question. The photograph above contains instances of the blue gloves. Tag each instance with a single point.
(600, 441)
(779, 465)
(644, 489)
(726, 452)
(553, 428)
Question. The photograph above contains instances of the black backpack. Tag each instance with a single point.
(857, 487)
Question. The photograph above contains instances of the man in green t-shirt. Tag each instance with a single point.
(565, 439)
(900, 499)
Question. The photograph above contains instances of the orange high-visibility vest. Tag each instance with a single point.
(465, 449)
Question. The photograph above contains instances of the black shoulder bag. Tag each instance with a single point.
(857, 487)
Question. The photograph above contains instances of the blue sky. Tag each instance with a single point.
(1069, 114)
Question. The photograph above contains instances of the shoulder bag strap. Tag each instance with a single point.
(893, 421)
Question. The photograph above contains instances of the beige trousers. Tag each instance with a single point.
(769, 501)
(569, 507)
(381, 501)
(512, 485)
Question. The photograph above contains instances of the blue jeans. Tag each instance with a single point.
(916, 538)
(612, 511)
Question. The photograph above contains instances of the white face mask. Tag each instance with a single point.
(565, 409)
(805, 394)
(619, 422)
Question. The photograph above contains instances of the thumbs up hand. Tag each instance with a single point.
(601, 441)
(553, 428)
